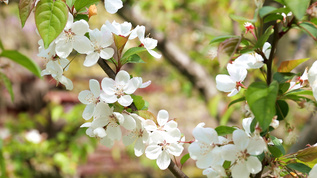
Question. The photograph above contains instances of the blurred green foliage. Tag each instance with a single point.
(63, 146)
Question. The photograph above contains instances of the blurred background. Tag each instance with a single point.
(39, 130)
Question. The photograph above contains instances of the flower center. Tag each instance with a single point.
(69, 34)
(164, 145)
(242, 156)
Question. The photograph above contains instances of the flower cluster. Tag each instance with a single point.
(211, 151)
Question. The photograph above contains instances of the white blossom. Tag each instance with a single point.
(215, 172)
(205, 148)
(139, 136)
(300, 81)
(123, 29)
(112, 6)
(119, 89)
(162, 146)
(101, 40)
(313, 172)
(148, 43)
(232, 82)
(90, 98)
(55, 69)
(312, 78)
(242, 154)
(73, 37)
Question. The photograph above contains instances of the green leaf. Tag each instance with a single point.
(81, 16)
(120, 42)
(241, 19)
(309, 28)
(70, 3)
(2, 161)
(298, 7)
(308, 154)
(7, 84)
(300, 92)
(81, 4)
(132, 51)
(25, 9)
(184, 158)
(268, 32)
(222, 38)
(278, 144)
(134, 59)
(299, 167)
(283, 87)
(281, 109)
(275, 151)
(261, 100)
(281, 77)
(265, 10)
(280, 1)
(22, 60)
(138, 101)
(226, 164)
(288, 66)
(236, 101)
(224, 130)
(50, 19)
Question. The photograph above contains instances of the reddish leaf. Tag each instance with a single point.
(287, 66)
(25, 8)
(308, 154)
(226, 49)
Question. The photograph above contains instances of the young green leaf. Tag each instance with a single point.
(261, 99)
(288, 66)
(266, 10)
(120, 42)
(236, 101)
(130, 52)
(298, 7)
(281, 109)
(299, 167)
(268, 32)
(7, 84)
(184, 158)
(133, 59)
(224, 130)
(22, 60)
(50, 19)
(138, 101)
(25, 9)
(81, 4)
(241, 19)
(278, 144)
(222, 38)
(275, 151)
(281, 77)
(310, 29)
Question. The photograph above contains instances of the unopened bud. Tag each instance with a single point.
(312, 10)
(92, 10)
(249, 27)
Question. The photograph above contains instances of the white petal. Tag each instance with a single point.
(108, 98)
(256, 145)
(139, 147)
(82, 44)
(108, 86)
(67, 83)
(175, 149)
(129, 122)
(240, 171)
(114, 133)
(205, 161)
(162, 117)
(100, 132)
(80, 27)
(86, 124)
(163, 160)
(131, 86)
(154, 53)
(64, 48)
(85, 97)
(149, 43)
(170, 125)
(153, 151)
(229, 152)
(122, 78)
(125, 100)
(225, 83)
(94, 87)
(91, 59)
(106, 53)
(112, 6)
(253, 165)
(313, 172)
(107, 142)
(128, 139)
(88, 111)
(240, 139)
(206, 135)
